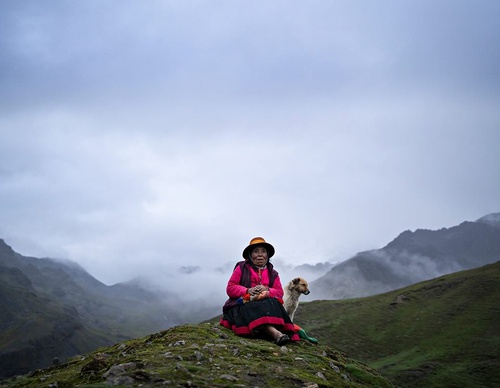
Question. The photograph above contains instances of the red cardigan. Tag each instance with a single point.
(235, 290)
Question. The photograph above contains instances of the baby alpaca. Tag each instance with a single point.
(292, 292)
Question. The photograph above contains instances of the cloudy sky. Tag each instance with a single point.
(140, 136)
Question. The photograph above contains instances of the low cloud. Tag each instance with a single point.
(140, 138)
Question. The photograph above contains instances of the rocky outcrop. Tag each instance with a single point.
(207, 355)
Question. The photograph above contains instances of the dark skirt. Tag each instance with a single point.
(246, 318)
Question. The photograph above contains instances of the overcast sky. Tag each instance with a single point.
(140, 136)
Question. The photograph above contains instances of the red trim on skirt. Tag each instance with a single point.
(248, 330)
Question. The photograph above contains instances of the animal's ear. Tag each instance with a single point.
(296, 280)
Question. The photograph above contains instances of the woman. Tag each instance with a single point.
(255, 305)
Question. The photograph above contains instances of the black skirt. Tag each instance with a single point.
(245, 319)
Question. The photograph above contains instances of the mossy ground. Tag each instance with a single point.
(207, 355)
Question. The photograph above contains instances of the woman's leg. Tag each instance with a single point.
(275, 334)
(271, 331)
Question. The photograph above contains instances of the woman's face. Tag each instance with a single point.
(259, 256)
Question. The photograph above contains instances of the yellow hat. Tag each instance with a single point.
(254, 243)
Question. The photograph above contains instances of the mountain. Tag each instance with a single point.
(55, 309)
(442, 332)
(412, 257)
(288, 271)
(206, 355)
(492, 219)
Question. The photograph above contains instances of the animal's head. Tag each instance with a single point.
(300, 284)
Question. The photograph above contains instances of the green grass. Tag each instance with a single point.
(442, 332)
(207, 355)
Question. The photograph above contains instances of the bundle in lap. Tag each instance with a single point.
(248, 298)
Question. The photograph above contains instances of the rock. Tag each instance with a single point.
(334, 367)
(117, 370)
(117, 374)
(229, 377)
(120, 381)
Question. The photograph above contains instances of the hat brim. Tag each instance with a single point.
(248, 249)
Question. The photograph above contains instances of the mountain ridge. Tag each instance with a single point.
(412, 257)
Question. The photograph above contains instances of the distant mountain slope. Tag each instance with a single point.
(443, 332)
(52, 308)
(412, 257)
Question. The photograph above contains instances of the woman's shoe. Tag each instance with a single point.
(282, 340)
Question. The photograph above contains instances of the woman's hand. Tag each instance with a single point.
(252, 291)
(257, 289)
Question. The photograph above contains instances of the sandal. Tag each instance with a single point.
(282, 340)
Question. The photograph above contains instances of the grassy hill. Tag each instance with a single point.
(55, 309)
(206, 355)
(443, 332)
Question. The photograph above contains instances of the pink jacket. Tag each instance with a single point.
(235, 290)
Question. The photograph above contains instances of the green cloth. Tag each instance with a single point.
(303, 334)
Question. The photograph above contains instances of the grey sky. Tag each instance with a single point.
(137, 137)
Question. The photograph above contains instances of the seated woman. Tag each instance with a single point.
(255, 305)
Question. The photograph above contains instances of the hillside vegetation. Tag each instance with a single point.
(206, 355)
(55, 309)
(443, 332)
